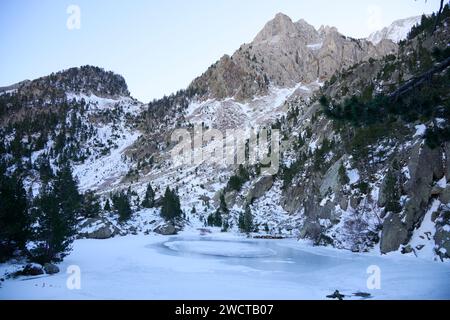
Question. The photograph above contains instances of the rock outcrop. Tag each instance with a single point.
(283, 54)
(98, 228)
(167, 229)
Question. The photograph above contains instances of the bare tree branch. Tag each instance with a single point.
(438, 16)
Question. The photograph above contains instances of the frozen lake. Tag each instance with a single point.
(222, 266)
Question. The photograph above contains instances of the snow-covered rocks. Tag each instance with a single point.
(166, 229)
(97, 228)
(51, 268)
(32, 269)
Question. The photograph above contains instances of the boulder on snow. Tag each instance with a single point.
(394, 233)
(407, 249)
(167, 229)
(50, 268)
(98, 228)
(32, 269)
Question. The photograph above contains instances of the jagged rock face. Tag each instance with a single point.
(259, 188)
(394, 233)
(283, 54)
(425, 166)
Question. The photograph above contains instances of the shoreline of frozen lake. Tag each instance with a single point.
(224, 266)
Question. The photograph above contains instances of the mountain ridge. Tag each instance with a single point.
(283, 54)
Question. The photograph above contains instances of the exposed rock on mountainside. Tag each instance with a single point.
(283, 54)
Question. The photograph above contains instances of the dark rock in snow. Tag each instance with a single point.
(394, 233)
(362, 295)
(336, 295)
(51, 268)
(166, 229)
(32, 269)
(98, 229)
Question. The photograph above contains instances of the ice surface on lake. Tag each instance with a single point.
(209, 267)
(221, 248)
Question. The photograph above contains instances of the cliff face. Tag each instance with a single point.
(283, 54)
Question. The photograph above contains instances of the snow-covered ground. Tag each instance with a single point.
(225, 266)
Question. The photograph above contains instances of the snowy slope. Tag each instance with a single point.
(101, 169)
(198, 185)
(396, 31)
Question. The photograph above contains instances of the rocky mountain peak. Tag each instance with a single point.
(281, 25)
(324, 30)
(283, 54)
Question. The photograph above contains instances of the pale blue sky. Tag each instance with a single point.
(160, 46)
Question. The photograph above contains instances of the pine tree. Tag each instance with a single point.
(122, 205)
(15, 221)
(215, 219)
(107, 206)
(343, 177)
(45, 171)
(149, 199)
(223, 205)
(171, 208)
(392, 188)
(91, 205)
(66, 191)
(225, 225)
(246, 220)
(56, 227)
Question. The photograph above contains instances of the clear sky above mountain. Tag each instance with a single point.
(160, 46)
